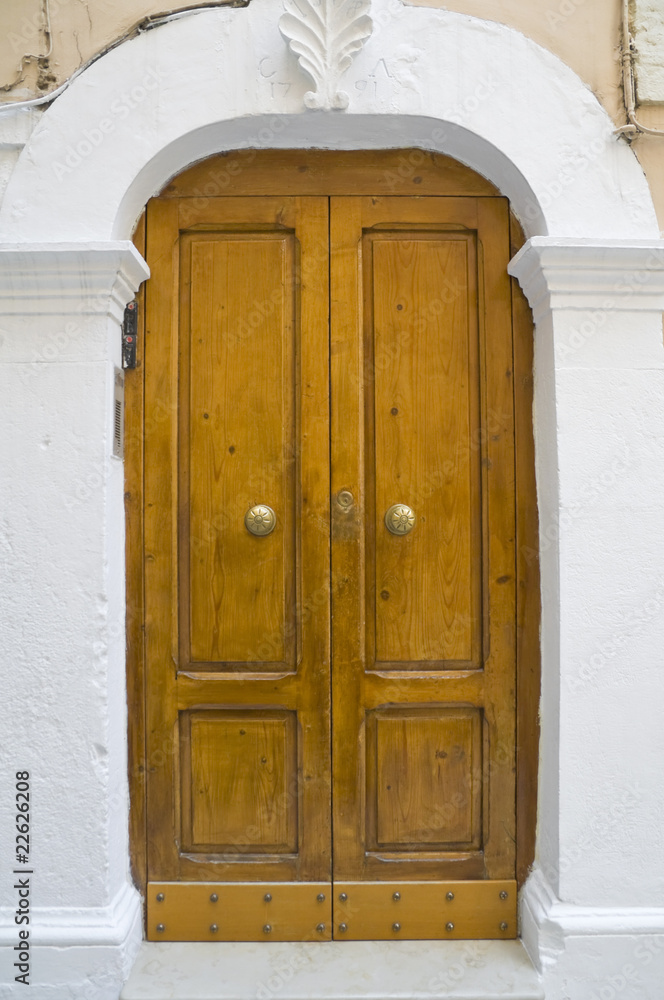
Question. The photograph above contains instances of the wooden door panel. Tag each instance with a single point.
(424, 779)
(240, 450)
(422, 351)
(239, 779)
(421, 318)
(237, 625)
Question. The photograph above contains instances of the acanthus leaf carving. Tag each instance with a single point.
(325, 35)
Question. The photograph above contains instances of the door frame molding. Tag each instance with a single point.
(358, 172)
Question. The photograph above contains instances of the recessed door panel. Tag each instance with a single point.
(422, 434)
(424, 779)
(239, 782)
(240, 449)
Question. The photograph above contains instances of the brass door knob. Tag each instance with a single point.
(400, 519)
(260, 520)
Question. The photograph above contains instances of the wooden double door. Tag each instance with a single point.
(329, 541)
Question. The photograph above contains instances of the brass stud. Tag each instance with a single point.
(343, 928)
(343, 897)
(503, 894)
(160, 897)
(321, 897)
(449, 927)
(320, 928)
(214, 898)
(449, 896)
(213, 928)
(160, 928)
(396, 927)
(267, 929)
(268, 897)
(396, 896)
(503, 925)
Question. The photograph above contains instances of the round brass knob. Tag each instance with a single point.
(399, 519)
(260, 520)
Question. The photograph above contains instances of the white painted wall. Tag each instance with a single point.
(498, 102)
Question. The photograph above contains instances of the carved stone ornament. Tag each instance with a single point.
(325, 35)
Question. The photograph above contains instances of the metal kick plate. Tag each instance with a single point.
(241, 911)
(420, 911)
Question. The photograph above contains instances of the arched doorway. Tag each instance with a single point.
(334, 692)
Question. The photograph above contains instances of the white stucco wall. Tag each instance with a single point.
(593, 272)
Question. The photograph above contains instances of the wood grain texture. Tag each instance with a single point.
(250, 246)
(319, 172)
(478, 432)
(424, 779)
(239, 781)
(241, 326)
(387, 683)
(528, 608)
(421, 339)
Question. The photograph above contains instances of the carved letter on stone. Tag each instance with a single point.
(325, 35)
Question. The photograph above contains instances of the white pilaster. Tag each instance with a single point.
(62, 543)
(593, 911)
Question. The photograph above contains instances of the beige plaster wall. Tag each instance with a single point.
(42, 42)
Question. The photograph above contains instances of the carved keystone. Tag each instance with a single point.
(325, 35)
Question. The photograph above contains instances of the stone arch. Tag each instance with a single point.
(478, 91)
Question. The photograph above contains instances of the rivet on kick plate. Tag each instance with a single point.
(321, 897)
(343, 897)
(396, 927)
(343, 928)
(396, 896)
(267, 929)
(213, 928)
(268, 897)
(214, 898)
(503, 926)
(503, 894)
(449, 896)
(160, 897)
(160, 928)
(320, 928)
(449, 927)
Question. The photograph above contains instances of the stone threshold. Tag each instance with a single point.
(335, 970)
